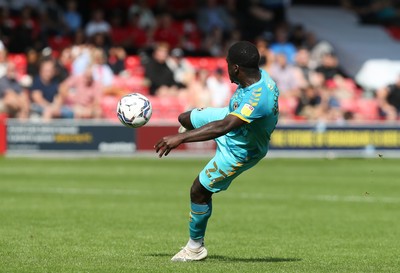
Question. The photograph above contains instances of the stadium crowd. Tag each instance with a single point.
(75, 59)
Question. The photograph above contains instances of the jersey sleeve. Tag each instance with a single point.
(252, 106)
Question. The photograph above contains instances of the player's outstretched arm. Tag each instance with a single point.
(209, 131)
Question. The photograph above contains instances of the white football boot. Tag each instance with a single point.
(188, 254)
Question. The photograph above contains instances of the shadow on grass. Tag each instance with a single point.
(236, 259)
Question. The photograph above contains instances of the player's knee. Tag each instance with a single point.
(184, 119)
(199, 194)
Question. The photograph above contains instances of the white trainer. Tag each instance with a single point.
(187, 254)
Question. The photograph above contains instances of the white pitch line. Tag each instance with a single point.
(322, 198)
(355, 198)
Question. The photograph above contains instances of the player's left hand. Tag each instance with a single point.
(166, 144)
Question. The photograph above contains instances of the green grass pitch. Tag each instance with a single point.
(130, 215)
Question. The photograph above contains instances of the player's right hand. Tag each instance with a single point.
(166, 144)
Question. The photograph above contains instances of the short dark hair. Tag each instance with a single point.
(244, 54)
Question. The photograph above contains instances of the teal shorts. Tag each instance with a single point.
(219, 172)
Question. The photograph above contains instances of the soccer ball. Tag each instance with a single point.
(134, 110)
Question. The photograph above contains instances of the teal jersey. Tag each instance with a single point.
(257, 105)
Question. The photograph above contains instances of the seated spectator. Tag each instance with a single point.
(302, 68)
(72, 18)
(44, 91)
(101, 71)
(32, 59)
(266, 55)
(180, 67)
(212, 16)
(161, 77)
(308, 103)
(81, 94)
(81, 58)
(284, 75)
(256, 19)
(304, 75)
(282, 45)
(97, 25)
(198, 93)
(63, 64)
(25, 34)
(329, 67)
(116, 59)
(3, 59)
(389, 100)
(51, 19)
(220, 88)
(317, 49)
(7, 25)
(14, 99)
(145, 15)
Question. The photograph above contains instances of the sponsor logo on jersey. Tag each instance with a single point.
(247, 110)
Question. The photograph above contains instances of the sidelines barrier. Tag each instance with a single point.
(103, 137)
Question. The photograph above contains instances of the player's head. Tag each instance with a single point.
(243, 58)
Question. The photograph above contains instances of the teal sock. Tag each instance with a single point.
(199, 215)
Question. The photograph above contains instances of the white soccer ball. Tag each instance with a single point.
(134, 110)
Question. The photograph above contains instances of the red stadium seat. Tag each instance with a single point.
(134, 66)
(368, 109)
(166, 109)
(20, 62)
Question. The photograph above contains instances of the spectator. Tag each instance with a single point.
(145, 15)
(212, 16)
(7, 25)
(51, 16)
(101, 71)
(44, 91)
(82, 57)
(14, 100)
(81, 94)
(199, 95)
(298, 36)
(180, 67)
(214, 42)
(329, 67)
(220, 88)
(63, 65)
(284, 75)
(282, 45)
(97, 25)
(161, 77)
(266, 55)
(32, 59)
(72, 18)
(79, 37)
(3, 59)
(308, 103)
(256, 19)
(25, 34)
(306, 76)
(389, 100)
(116, 59)
(317, 49)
